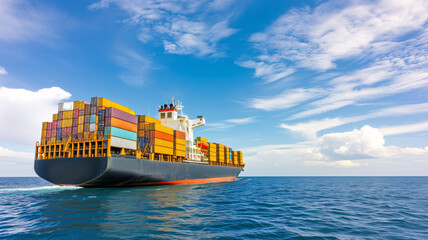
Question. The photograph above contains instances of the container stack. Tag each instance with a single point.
(212, 152)
(179, 143)
(159, 138)
(235, 157)
(226, 155)
(120, 125)
(220, 153)
(240, 158)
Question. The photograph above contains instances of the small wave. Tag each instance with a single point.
(40, 189)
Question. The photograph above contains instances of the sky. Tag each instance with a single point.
(303, 88)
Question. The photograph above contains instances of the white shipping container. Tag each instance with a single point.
(67, 106)
(123, 143)
(92, 127)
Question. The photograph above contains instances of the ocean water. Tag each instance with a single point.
(248, 208)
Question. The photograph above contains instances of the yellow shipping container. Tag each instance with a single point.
(55, 117)
(163, 143)
(80, 128)
(201, 139)
(43, 133)
(180, 147)
(80, 105)
(44, 125)
(67, 114)
(161, 128)
(103, 102)
(67, 123)
(180, 141)
(147, 119)
(180, 153)
(81, 120)
(163, 150)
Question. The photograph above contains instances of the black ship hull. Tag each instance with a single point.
(123, 171)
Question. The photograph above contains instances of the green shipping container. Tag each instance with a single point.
(118, 132)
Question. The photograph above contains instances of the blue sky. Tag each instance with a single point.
(302, 87)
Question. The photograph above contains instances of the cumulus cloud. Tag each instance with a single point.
(184, 27)
(22, 112)
(2, 71)
(17, 163)
(352, 149)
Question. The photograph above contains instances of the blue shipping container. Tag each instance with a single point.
(93, 118)
(118, 132)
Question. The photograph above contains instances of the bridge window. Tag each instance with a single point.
(170, 115)
(162, 115)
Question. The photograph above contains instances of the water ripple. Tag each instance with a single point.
(249, 208)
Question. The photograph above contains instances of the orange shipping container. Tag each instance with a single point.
(116, 122)
(179, 134)
(164, 136)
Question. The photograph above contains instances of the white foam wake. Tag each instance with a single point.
(41, 189)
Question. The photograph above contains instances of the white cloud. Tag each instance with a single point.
(184, 27)
(16, 164)
(359, 148)
(316, 38)
(384, 41)
(23, 111)
(136, 67)
(24, 21)
(406, 128)
(229, 123)
(310, 129)
(2, 71)
(285, 100)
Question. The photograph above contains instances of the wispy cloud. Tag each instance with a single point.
(229, 123)
(2, 71)
(287, 99)
(25, 21)
(183, 27)
(316, 38)
(310, 129)
(136, 67)
(405, 128)
(385, 41)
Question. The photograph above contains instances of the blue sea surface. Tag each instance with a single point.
(248, 208)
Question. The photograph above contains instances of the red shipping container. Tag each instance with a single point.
(53, 133)
(74, 130)
(75, 113)
(48, 133)
(55, 124)
(49, 127)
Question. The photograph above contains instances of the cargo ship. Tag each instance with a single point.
(104, 144)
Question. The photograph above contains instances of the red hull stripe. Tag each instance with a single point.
(189, 181)
(178, 182)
